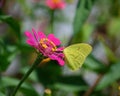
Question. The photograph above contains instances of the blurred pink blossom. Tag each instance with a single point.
(55, 4)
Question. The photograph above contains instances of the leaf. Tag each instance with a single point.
(109, 53)
(1, 94)
(48, 73)
(3, 56)
(29, 92)
(25, 88)
(72, 80)
(7, 81)
(7, 55)
(80, 17)
(12, 23)
(86, 32)
(32, 76)
(111, 76)
(93, 64)
(70, 83)
(82, 13)
(3, 62)
(114, 27)
(70, 88)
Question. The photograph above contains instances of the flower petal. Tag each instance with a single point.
(54, 39)
(60, 48)
(41, 35)
(55, 5)
(55, 57)
(61, 5)
(35, 35)
(29, 35)
(60, 61)
(50, 4)
(31, 42)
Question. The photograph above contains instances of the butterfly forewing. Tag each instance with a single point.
(76, 54)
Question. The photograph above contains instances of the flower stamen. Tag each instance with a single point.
(56, 1)
(46, 43)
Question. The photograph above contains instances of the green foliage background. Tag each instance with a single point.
(96, 22)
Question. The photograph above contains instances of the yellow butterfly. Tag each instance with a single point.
(76, 54)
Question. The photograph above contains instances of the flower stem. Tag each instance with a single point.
(37, 61)
(52, 21)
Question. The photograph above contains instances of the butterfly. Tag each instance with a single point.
(76, 54)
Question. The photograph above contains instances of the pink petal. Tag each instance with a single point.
(53, 5)
(30, 42)
(55, 40)
(60, 48)
(29, 35)
(35, 35)
(50, 4)
(61, 55)
(61, 5)
(41, 35)
(60, 61)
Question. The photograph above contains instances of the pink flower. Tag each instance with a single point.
(46, 45)
(55, 4)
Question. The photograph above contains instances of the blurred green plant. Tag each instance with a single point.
(102, 30)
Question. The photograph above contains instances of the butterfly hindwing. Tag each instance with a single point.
(76, 54)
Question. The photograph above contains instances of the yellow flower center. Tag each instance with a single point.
(56, 1)
(45, 43)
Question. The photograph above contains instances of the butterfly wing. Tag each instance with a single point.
(76, 54)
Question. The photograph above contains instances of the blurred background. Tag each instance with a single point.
(96, 22)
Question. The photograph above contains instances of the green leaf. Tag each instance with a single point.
(109, 53)
(114, 27)
(82, 13)
(8, 81)
(86, 32)
(3, 62)
(3, 56)
(110, 77)
(1, 94)
(7, 55)
(70, 88)
(70, 83)
(29, 92)
(49, 73)
(72, 80)
(93, 64)
(25, 88)
(12, 23)
(33, 75)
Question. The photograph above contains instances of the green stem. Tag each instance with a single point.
(37, 61)
(52, 21)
